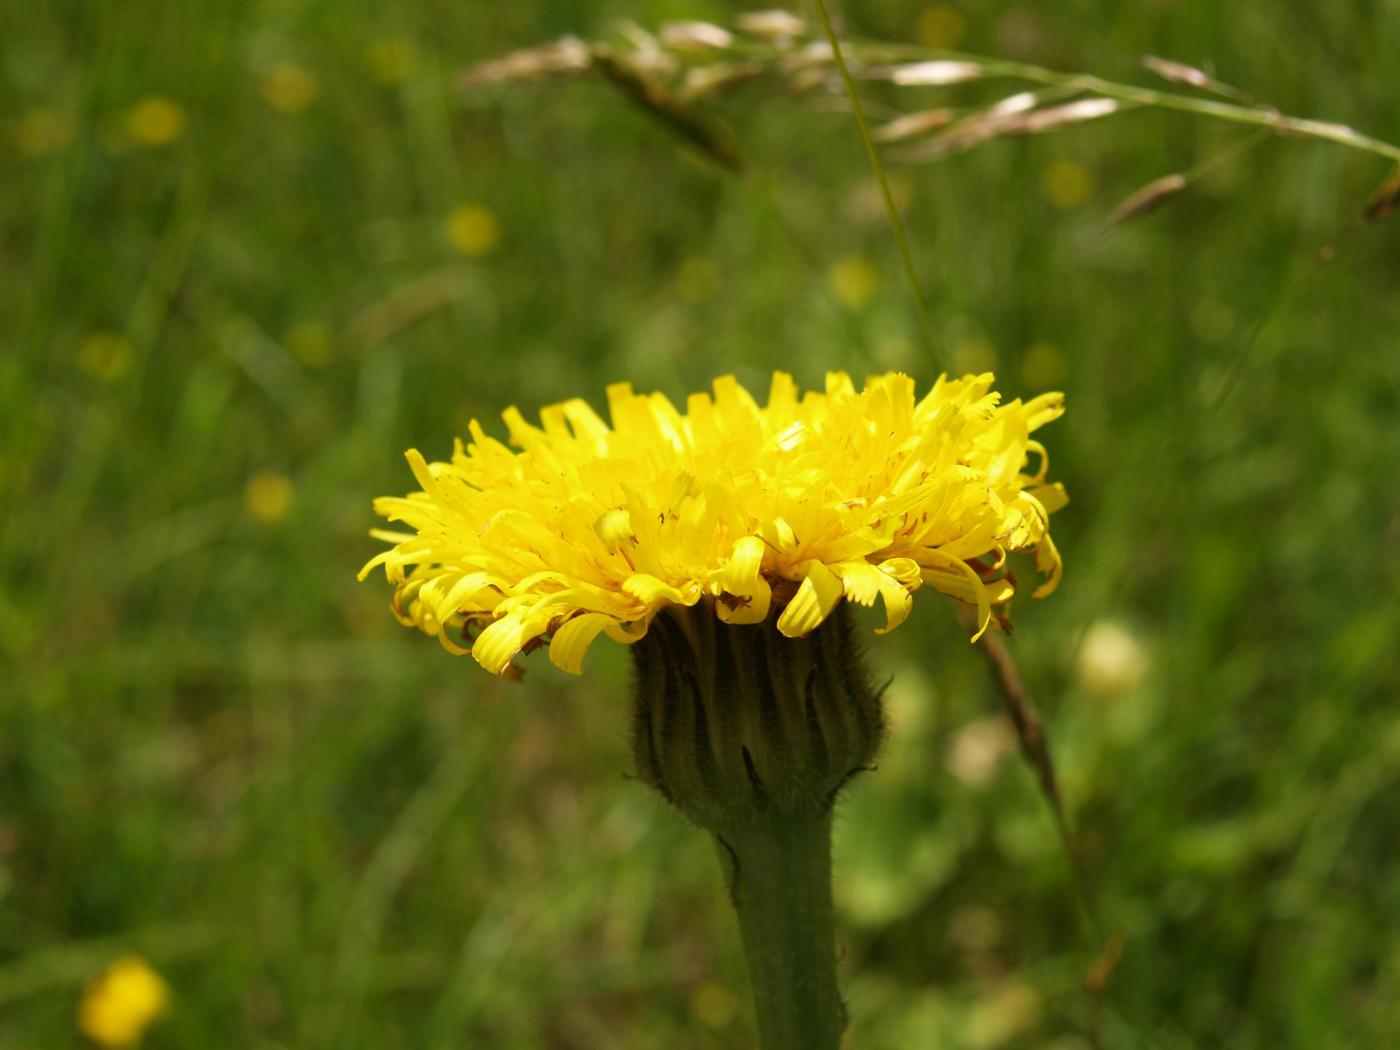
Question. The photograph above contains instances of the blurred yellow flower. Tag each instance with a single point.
(288, 88)
(473, 229)
(1067, 184)
(311, 343)
(1112, 662)
(1043, 364)
(268, 497)
(43, 131)
(105, 355)
(595, 528)
(853, 281)
(697, 279)
(713, 1005)
(119, 1006)
(156, 120)
(940, 26)
(392, 59)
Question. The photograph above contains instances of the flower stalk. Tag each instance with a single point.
(752, 735)
(779, 875)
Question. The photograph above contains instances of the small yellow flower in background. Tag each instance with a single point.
(119, 1006)
(736, 508)
(853, 281)
(1044, 364)
(940, 26)
(473, 230)
(713, 1005)
(288, 88)
(1067, 184)
(1112, 662)
(392, 59)
(105, 355)
(156, 120)
(311, 343)
(44, 131)
(697, 279)
(268, 497)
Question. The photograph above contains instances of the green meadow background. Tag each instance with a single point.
(250, 253)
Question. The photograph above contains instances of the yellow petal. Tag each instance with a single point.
(970, 585)
(571, 641)
(812, 603)
(649, 590)
(498, 644)
(781, 535)
(742, 578)
(899, 602)
(614, 528)
(466, 588)
(864, 582)
(449, 643)
(626, 633)
(1051, 497)
(1044, 409)
(421, 472)
(754, 610)
(860, 581)
(1047, 560)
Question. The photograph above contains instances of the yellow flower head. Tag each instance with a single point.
(120, 1005)
(754, 510)
(289, 88)
(473, 230)
(156, 120)
(268, 496)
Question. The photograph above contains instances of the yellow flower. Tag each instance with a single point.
(748, 510)
(104, 355)
(156, 120)
(1067, 184)
(310, 342)
(289, 89)
(941, 26)
(853, 281)
(120, 1005)
(392, 58)
(473, 229)
(268, 497)
(713, 1004)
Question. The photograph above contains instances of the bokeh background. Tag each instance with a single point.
(249, 253)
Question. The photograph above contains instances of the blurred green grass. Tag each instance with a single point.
(220, 751)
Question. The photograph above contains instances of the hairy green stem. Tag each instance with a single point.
(779, 873)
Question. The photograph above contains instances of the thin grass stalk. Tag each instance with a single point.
(906, 254)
